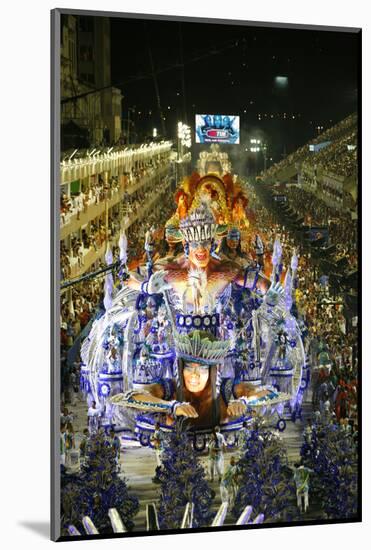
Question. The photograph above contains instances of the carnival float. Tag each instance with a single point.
(203, 333)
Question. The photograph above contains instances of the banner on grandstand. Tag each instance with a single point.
(318, 233)
(315, 147)
(280, 198)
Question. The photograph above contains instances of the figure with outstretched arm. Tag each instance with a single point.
(94, 414)
(194, 395)
(219, 274)
(198, 234)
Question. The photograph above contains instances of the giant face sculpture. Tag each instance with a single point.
(195, 376)
(199, 253)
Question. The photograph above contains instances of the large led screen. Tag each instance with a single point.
(218, 129)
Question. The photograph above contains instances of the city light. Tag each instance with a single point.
(154, 133)
(281, 81)
(184, 134)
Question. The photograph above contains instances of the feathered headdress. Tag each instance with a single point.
(201, 347)
(199, 225)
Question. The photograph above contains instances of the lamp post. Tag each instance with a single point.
(184, 140)
(255, 147)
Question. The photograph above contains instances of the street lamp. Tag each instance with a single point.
(257, 146)
(184, 136)
(184, 139)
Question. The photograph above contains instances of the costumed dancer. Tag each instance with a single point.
(114, 441)
(84, 445)
(301, 478)
(259, 251)
(282, 343)
(62, 440)
(217, 446)
(228, 485)
(158, 442)
(243, 436)
(94, 415)
(231, 246)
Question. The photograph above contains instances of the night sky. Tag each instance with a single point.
(231, 69)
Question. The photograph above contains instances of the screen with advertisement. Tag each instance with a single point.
(218, 129)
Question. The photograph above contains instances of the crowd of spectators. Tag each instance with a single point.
(155, 217)
(339, 157)
(79, 202)
(342, 228)
(146, 170)
(74, 255)
(334, 158)
(135, 206)
(332, 342)
(81, 302)
(135, 202)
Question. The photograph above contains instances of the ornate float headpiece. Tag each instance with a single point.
(201, 347)
(224, 198)
(199, 225)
